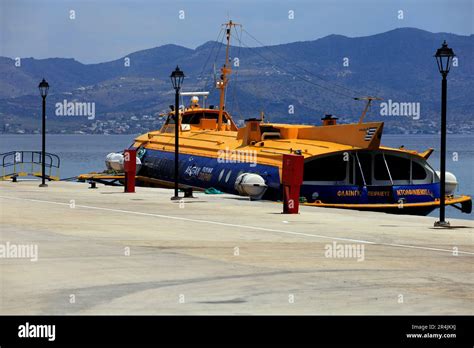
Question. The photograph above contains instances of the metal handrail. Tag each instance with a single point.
(19, 160)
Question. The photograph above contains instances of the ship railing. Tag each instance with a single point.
(28, 163)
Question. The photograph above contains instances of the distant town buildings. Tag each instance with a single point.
(133, 123)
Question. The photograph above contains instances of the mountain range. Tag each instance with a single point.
(296, 82)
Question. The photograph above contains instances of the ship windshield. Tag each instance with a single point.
(366, 168)
(398, 169)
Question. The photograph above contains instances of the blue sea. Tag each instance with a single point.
(86, 153)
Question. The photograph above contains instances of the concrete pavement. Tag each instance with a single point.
(106, 252)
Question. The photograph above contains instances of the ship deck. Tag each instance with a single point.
(222, 254)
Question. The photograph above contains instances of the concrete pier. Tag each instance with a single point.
(103, 251)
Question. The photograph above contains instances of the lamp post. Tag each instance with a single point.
(444, 57)
(177, 77)
(43, 88)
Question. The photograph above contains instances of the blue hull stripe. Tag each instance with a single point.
(205, 172)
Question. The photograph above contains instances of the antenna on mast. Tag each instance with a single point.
(367, 106)
(225, 70)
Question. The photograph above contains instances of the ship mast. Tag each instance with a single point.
(225, 70)
(367, 106)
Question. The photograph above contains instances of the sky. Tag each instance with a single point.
(104, 30)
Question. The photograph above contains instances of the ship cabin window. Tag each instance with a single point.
(366, 168)
(363, 170)
(328, 170)
(195, 117)
(400, 169)
(418, 172)
(380, 168)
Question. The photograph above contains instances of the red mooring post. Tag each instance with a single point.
(292, 178)
(130, 168)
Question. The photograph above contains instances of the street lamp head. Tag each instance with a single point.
(177, 77)
(444, 57)
(43, 88)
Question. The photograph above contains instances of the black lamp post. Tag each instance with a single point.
(177, 77)
(43, 88)
(444, 58)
